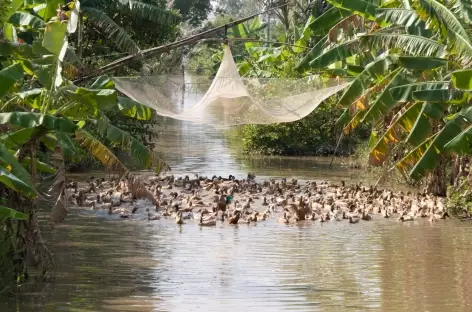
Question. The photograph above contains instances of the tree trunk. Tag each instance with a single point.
(28, 249)
(436, 183)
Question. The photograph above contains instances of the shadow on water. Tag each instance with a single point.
(107, 264)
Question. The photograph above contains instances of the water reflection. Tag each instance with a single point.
(195, 149)
(141, 266)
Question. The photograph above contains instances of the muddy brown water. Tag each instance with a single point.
(107, 264)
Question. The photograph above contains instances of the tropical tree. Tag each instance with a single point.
(41, 107)
(407, 61)
(193, 11)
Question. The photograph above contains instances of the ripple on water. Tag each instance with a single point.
(158, 266)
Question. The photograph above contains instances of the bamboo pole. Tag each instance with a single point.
(168, 47)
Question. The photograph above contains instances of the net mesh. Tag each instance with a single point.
(229, 99)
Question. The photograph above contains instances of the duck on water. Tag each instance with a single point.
(245, 201)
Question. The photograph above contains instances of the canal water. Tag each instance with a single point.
(106, 264)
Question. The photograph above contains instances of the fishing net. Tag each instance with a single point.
(229, 99)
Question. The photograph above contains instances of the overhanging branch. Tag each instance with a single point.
(170, 46)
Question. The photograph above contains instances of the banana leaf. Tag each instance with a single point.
(462, 79)
(98, 150)
(422, 127)
(421, 62)
(328, 19)
(128, 143)
(314, 52)
(385, 101)
(425, 157)
(337, 53)
(404, 93)
(440, 95)
(15, 183)
(402, 124)
(30, 120)
(375, 71)
(7, 160)
(363, 8)
(8, 213)
(133, 109)
(9, 76)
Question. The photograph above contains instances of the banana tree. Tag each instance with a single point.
(39, 105)
(416, 99)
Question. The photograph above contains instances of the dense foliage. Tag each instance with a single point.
(410, 62)
(46, 120)
(316, 134)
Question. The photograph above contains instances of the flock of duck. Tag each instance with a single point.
(246, 201)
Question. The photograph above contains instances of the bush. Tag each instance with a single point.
(316, 134)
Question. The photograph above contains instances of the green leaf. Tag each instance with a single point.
(131, 108)
(8, 213)
(328, 19)
(385, 102)
(401, 125)
(69, 147)
(463, 9)
(26, 19)
(405, 17)
(410, 44)
(15, 140)
(40, 166)
(440, 18)
(9, 32)
(375, 71)
(55, 38)
(16, 184)
(337, 53)
(128, 143)
(462, 79)
(314, 52)
(404, 93)
(440, 95)
(344, 118)
(422, 127)
(421, 62)
(30, 120)
(103, 82)
(462, 143)
(425, 157)
(90, 102)
(48, 10)
(360, 7)
(110, 29)
(7, 159)
(153, 13)
(9, 76)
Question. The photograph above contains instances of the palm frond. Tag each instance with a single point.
(111, 29)
(410, 44)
